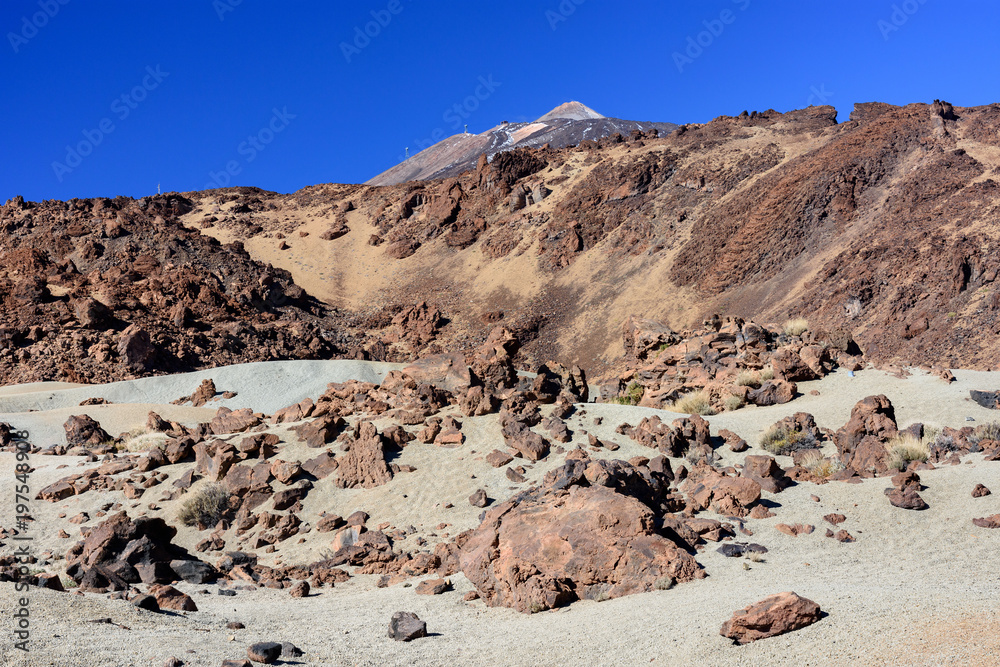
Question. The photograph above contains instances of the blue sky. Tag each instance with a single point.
(106, 98)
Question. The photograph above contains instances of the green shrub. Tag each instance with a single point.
(633, 394)
(781, 440)
(206, 506)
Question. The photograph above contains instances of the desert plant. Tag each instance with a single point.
(766, 374)
(796, 327)
(987, 431)
(747, 379)
(633, 394)
(782, 440)
(665, 583)
(205, 506)
(904, 449)
(695, 403)
(754, 556)
(819, 465)
(141, 440)
(733, 402)
(68, 583)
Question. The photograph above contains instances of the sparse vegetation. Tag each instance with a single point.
(206, 506)
(767, 374)
(988, 431)
(141, 440)
(748, 379)
(819, 465)
(665, 583)
(68, 583)
(781, 440)
(695, 403)
(733, 402)
(754, 556)
(536, 607)
(904, 449)
(796, 327)
(632, 396)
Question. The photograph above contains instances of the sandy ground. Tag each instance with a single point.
(917, 588)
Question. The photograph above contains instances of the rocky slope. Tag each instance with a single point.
(883, 226)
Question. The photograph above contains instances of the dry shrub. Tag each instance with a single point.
(695, 403)
(904, 449)
(781, 440)
(205, 506)
(796, 327)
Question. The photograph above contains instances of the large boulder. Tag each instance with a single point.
(364, 465)
(83, 431)
(641, 337)
(772, 616)
(135, 348)
(872, 417)
(447, 371)
(547, 548)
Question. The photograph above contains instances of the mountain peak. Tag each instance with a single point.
(571, 110)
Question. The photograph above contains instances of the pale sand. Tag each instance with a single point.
(916, 588)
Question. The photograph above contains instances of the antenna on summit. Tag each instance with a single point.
(466, 128)
(157, 188)
(407, 152)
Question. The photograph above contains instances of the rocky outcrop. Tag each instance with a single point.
(364, 464)
(772, 616)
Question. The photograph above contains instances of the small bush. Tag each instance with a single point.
(633, 394)
(665, 583)
(695, 403)
(905, 449)
(796, 327)
(780, 440)
(206, 506)
(754, 556)
(748, 379)
(733, 402)
(767, 374)
(141, 440)
(989, 431)
(819, 465)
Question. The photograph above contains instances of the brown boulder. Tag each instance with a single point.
(980, 491)
(135, 348)
(204, 393)
(83, 431)
(544, 550)
(988, 522)
(789, 366)
(447, 371)
(168, 597)
(871, 416)
(364, 465)
(772, 616)
(233, 421)
(765, 471)
(774, 392)
(498, 459)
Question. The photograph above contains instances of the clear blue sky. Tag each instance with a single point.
(183, 85)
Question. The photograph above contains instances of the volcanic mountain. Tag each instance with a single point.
(883, 227)
(568, 124)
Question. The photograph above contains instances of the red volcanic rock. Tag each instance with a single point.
(789, 366)
(733, 441)
(168, 597)
(204, 393)
(525, 442)
(642, 336)
(364, 465)
(766, 472)
(83, 431)
(980, 491)
(873, 416)
(774, 392)
(542, 551)
(135, 348)
(988, 522)
(448, 371)
(498, 459)
(772, 616)
(904, 494)
(835, 519)
(493, 361)
(795, 529)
